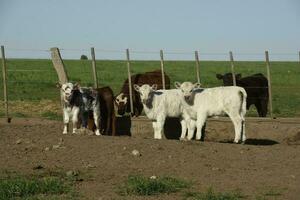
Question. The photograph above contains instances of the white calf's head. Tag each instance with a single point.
(145, 91)
(121, 103)
(67, 90)
(187, 88)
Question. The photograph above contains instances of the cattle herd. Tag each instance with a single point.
(97, 109)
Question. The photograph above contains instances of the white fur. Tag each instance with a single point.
(68, 111)
(165, 103)
(214, 102)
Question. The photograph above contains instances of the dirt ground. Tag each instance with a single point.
(269, 162)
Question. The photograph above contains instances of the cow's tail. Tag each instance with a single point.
(243, 110)
(243, 96)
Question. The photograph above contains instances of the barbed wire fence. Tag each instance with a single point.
(34, 81)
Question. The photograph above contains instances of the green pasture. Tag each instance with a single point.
(34, 79)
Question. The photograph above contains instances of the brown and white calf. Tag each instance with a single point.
(108, 119)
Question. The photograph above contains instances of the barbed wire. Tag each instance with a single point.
(167, 51)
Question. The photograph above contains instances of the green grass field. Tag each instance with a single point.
(31, 80)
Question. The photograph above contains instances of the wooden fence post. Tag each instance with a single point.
(197, 66)
(269, 83)
(94, 67)
(232, 68)
(5, 96)
(129, 81)
(59, 65)
(162, 69)
(299, 57)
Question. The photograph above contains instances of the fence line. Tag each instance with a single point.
(138, 51)
(128, 61)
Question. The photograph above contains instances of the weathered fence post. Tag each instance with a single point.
(129, 81)
(197, 66)
(269, 83)
(5, 97)
(59, 65)
(232, 68)
(94, 67)
(299, 57)
(162, 69)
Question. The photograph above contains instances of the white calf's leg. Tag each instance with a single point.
(183, 129)
(66, 121)
(75, 118)
(191, 129)
(201, 118)
(158, 127)
(237, 122)
(156, 134)
(97, 122)
(243, 132)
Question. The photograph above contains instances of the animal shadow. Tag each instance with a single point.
(123, 126)
(172, 128)
(256, 142)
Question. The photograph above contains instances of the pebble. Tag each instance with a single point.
(19, 141)
(136, 153)
(215, 169)
(71, 173)
(56, 146)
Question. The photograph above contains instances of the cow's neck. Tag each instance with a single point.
(149, 102)
(76, 99)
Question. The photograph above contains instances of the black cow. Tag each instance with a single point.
(256, 87)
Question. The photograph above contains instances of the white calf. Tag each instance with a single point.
(71, 102)
(201, 103)
(159, 104)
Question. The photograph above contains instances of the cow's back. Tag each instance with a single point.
(255, 85)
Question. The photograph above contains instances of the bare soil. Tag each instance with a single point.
(269, 162)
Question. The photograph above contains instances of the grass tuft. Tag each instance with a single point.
(143, 186)
(35, 187)
(210, 194)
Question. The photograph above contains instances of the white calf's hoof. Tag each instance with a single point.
(183, 139)
(97, 133)
(65, 133)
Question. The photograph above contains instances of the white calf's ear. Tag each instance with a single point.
(197, 85)
(154, 87)
(136, 87)
(58, 85)
(177, 84)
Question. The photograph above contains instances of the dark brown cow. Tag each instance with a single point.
(108, 119)
(256, 87)
(122, 100)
